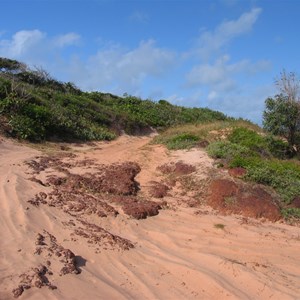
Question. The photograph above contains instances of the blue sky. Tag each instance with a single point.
(222, 54)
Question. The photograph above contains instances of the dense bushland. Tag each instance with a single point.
(35, 106)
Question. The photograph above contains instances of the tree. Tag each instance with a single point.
(289, 85)
(10, 65)
(282, 113)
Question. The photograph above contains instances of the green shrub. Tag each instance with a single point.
(250, 139)
(290, 213)
(278, 148)
(24, 127)
(226, 150)
(283, 176)
(64, 111)
(182, 141)
(5, 88)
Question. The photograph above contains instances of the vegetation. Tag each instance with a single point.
(201, 133)
(282, 113)
(35, 106)
(265, 159)
(219, 226)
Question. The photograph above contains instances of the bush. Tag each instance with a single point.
(250, 139)
(64, 111)
(278, 148)
(291, 213)
(227, 150)
(182, 141)
(5, 88)
(283, 176)
(24, 127)
(281, 117)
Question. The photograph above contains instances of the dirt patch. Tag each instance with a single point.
(179, 168)
(138, 208)
(118, 179)
(56, 259)
(158, 189)
(228, 196)
(99, 237)
(237, 172)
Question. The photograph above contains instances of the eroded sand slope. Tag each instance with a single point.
(178, 254)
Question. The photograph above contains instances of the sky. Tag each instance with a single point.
(220, 54)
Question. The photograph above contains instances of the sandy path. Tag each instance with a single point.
(179, 254)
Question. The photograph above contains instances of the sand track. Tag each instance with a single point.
(178, 254)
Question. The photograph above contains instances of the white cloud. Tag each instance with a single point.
(248, 103)
(226, 84)
(211, 42)
(123, 70)
(221, 74)
(34, 47)
(21, 43)
(68, 39)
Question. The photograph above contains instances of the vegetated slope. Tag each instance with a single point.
(248, 153)
(37, 107)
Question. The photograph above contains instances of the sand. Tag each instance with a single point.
(179, 254)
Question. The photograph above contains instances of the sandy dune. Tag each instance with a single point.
(178, 254)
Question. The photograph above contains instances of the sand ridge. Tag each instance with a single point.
(180, 253)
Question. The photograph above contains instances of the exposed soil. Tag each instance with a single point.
(119, 218)
(56, 259)
(237, 172)
(178, 168)
(228, 196)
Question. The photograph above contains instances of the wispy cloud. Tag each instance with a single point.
(125, 70)
(68, 39)
(21, 42)
(211, 42)
(139, 16)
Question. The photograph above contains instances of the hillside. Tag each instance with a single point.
(122, 198)
(36, 107)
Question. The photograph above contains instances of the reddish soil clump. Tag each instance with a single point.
(138, 209)
(237, 172)
(230, 197)
(178, 168)
(296, 202)
(98, 236)
(118, 179)
(158, 190)
(50, 251)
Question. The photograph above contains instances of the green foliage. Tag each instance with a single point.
(257, 154)
(248, 138)
(10, 65)
(39, 107)
(182, 141)
(291, 213)
(278, 147)
(227, 150)
(5, 88)
(282, 117)
(24, 127)
(283, 176)
(219, 226)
